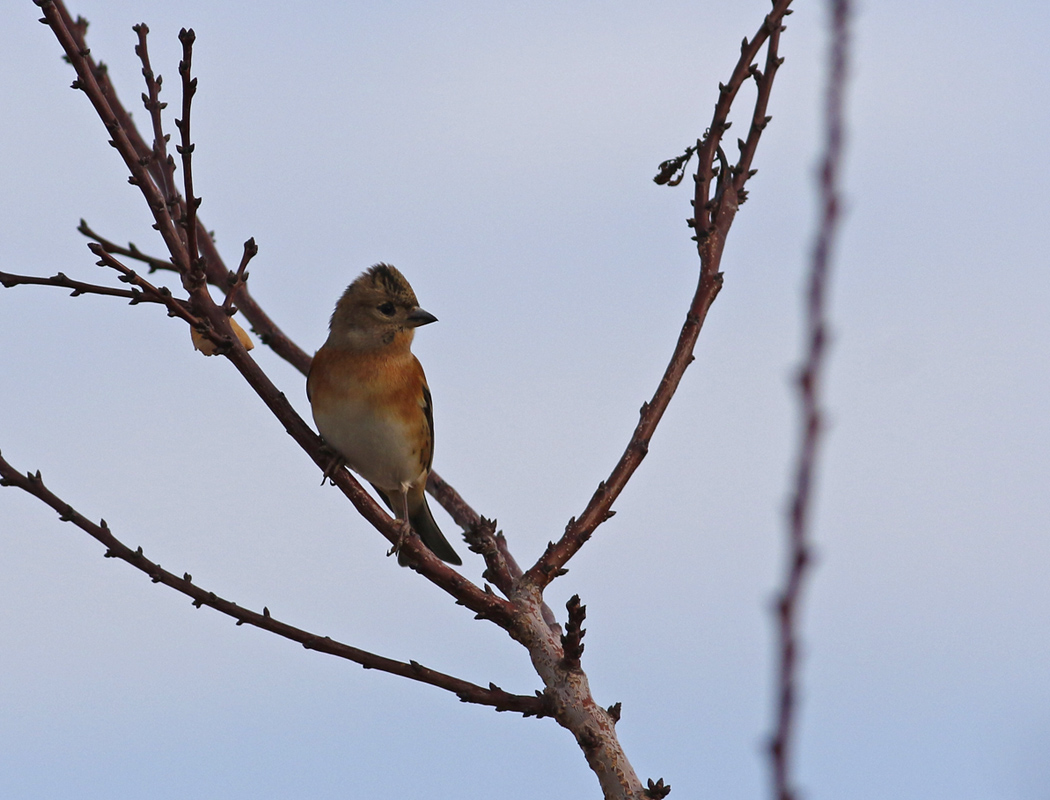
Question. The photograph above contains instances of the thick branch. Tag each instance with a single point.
(466, 691)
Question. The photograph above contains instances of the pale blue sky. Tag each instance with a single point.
(501, 155)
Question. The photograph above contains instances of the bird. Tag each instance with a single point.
(371, 403)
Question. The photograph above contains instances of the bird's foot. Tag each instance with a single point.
(403, 532)
(335, 463)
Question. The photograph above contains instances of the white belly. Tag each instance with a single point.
(376, 448)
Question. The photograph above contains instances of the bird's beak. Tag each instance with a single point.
(418, 317)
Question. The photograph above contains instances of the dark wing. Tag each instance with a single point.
(428, 412)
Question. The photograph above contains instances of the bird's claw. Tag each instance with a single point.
(335, 463)
(403, 532)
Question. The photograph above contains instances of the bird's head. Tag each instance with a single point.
(378, 309)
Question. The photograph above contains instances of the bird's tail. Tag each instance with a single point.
(423, 523)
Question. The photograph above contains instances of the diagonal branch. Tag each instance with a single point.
(190, 203)
(164, 171)
(57, 18)
(467, 692)
(160, 166)
(210, 319)
(599, 508)
(710, 213)
(131, 251)
(811, 416)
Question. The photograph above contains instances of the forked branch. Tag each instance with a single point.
(710, 238)
(556, 656)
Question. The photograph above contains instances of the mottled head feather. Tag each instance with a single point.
(378, 309)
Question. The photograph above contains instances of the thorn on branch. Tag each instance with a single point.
(658, 790)
(572, 640)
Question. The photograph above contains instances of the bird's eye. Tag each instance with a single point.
(387, 309)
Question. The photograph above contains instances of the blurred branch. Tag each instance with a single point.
(811, 416)
(467, 692)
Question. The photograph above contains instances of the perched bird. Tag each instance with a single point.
(371, 402)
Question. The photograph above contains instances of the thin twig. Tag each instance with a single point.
(811, 416)
(9, 280)
(238, 280)
(71, 38)
(190, 202)
(707, 209)
(261, 323)
(466, 691)
(157, 294)
(164, 174)
(209, 320)
(131, 251)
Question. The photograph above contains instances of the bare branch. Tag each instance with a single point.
(209, 320)
(191, 203)
(239, 279)
(162, 295)
(131, 251)
(599, 508)
(9, 280)
(467, 692)
(71, 38)
(708, 210)
(811, 416)
(218, 275)
(164, 172)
